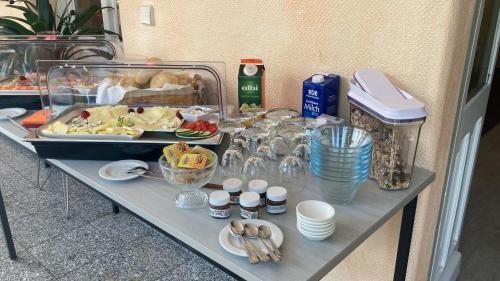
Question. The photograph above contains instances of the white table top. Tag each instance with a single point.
(153, 200)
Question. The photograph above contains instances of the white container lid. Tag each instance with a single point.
(249, 199)
(374, 92)
(276, 193)
(219, 198)
(259, 186)
(232, 185)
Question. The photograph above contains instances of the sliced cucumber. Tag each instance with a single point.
(205, 134)
(182, 130)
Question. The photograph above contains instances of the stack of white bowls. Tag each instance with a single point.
(315, 219)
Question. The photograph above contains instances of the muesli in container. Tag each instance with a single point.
(393, 118)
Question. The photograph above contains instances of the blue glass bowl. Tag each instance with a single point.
(342, 138)
(336, 168)
(339, 151)
(358, 178)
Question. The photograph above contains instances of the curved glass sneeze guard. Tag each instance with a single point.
(175, 84)
(19, 54)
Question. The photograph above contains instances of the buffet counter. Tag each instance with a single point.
(153, 201)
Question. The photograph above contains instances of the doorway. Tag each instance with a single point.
(477, 82)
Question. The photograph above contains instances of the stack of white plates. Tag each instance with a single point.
(315, 219)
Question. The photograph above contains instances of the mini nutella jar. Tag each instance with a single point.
(276, 200)
(233, 186)
(219, 204)
(259, 187)
(249, 205)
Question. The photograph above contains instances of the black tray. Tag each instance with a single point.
(29, 102)
(50, 149)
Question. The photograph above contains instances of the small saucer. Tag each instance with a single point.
(117, 171)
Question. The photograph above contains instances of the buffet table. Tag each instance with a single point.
(153, 201)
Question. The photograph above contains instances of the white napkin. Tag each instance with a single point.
(108, 93)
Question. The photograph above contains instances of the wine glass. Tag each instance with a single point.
(232, 160)
(255, 167)
(281, 114)
(291, 168)
(303, 148)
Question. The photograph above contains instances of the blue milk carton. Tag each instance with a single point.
(320, 95)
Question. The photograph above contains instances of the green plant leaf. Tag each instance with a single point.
(16, 26)
(82, 18)
(64, 17)
(24, 9)
(35, 24)
(45, 13)
(8, 31)
(17, 19)
(29, 5)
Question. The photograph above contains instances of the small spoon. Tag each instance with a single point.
(250, 234)
(265, 233)
(252, 231)
(237, 230)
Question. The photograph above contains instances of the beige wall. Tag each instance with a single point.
(419, 44)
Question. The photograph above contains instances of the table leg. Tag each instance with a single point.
(51, 169)
(6, 230)
(65, 181)
(405, 234)
(116, 209)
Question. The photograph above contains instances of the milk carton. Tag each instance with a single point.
(320, 95)
(251, 87)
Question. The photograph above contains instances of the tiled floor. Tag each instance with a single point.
(94, 244)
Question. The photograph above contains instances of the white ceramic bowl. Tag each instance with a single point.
(315, 237)
(316, 228)
(192, 117)
(315, 211)
(316, 233)
(314, 223)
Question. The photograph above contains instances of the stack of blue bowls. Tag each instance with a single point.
(341, 159)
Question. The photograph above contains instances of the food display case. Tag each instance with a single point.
(121, 109)
(19, 53)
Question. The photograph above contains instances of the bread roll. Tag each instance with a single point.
(163, 77)
(143, 76)
(128, 81)
(183, 79)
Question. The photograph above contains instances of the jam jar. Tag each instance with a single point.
(249, 205)
(259, 187)
(233, 186)
(219, 204)
(276, 200)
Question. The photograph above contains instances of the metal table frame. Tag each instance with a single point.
(6, 230)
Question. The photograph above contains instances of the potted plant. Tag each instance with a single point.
(40, 18)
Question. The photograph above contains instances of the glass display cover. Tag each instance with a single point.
(149, 83)
(19, 54)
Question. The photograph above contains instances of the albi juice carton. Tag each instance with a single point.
(251, 86)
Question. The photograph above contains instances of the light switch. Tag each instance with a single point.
(146, 14)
